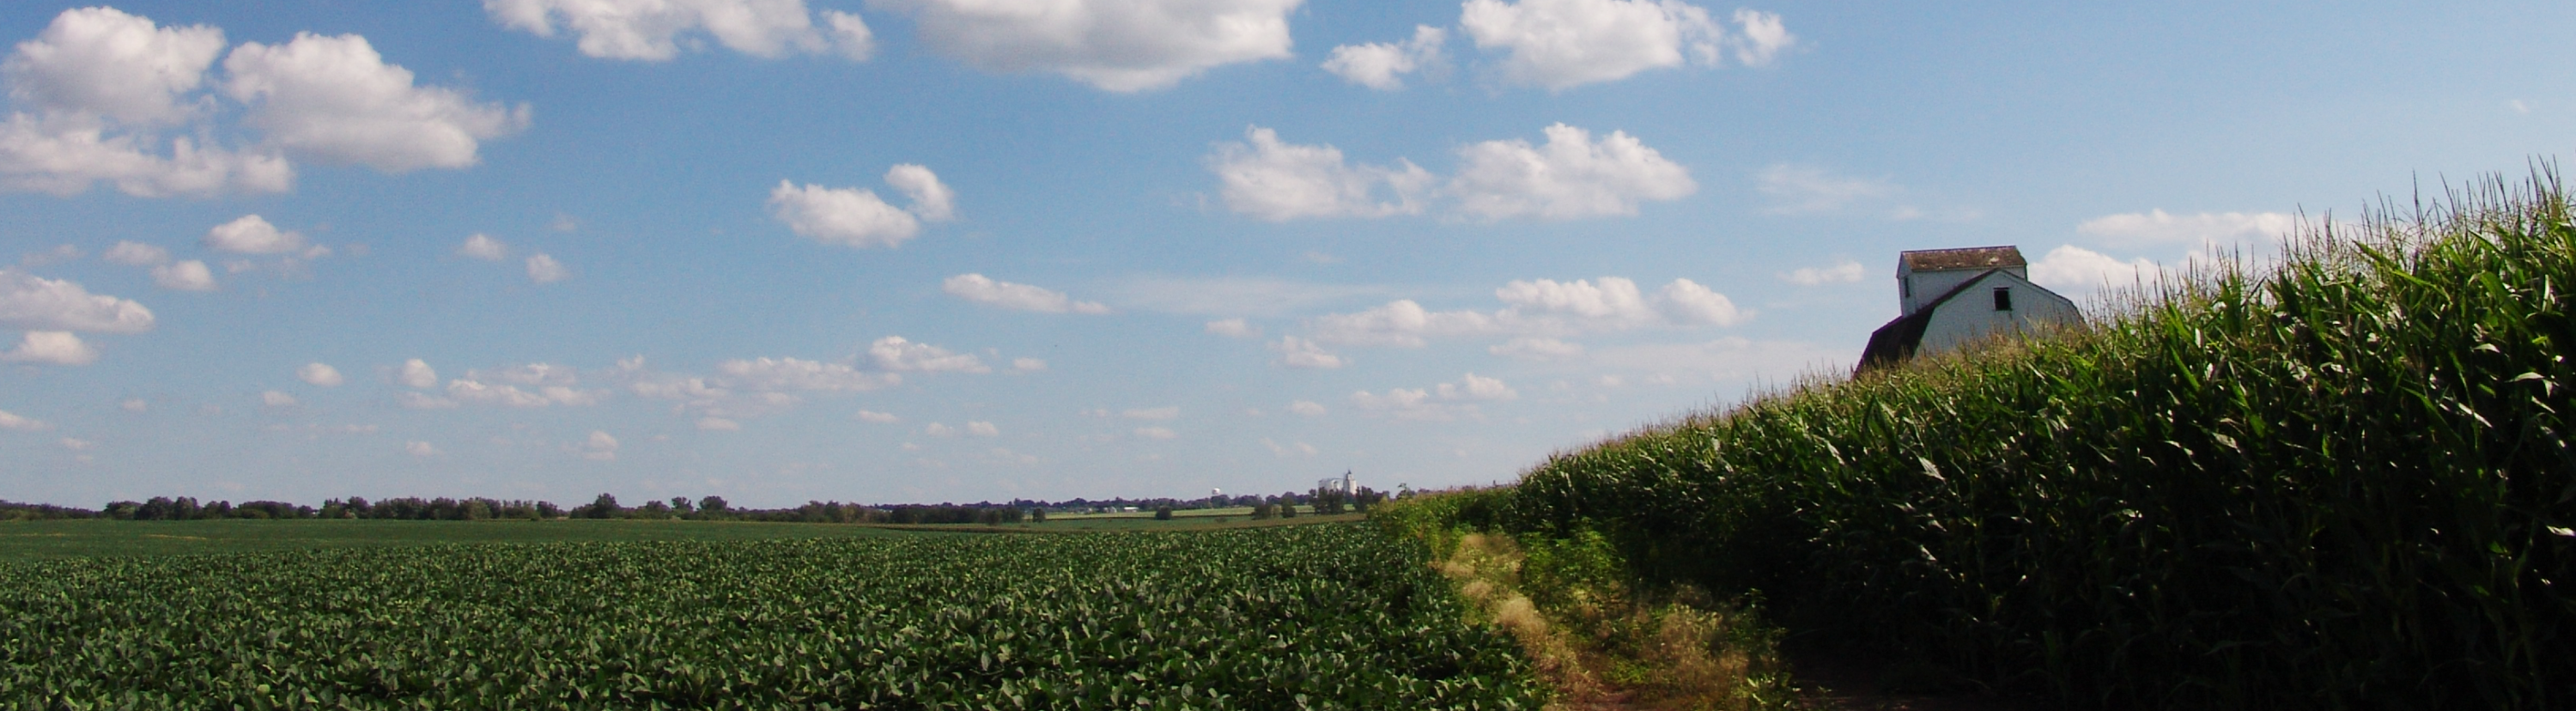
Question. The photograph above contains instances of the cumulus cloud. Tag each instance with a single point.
(1028, 365)
(1017, 297)
(335, 99)
(1300, 448)
(2159, 228)
(881, 418)
(417, 374)
(13, 421)
(1115, 45)
(1297, 352)
(36, 303)
(136, 254)
(472, 389)
(856, 217)
(983, 429)
(543, 269)
(600, 447)
(791, 374)
(135, 404)
(1233, 328)
(321, 374)
(895, 353)
(1382, 65)
(1537, 349)
(1277, 181)
(2073, 268)
(190, 275)
(1560, 44)
(1307, 408)
(50, 348)
(718, 424)
(1535, 307)
(1439, 402)
(1806, 189)
(656, 30)
(484, 247)
(274, 398)
(423, 401)
(1846, 272)
(102, 83)
(1156, 433)
(252, 234)
(420, 449)
(938, 430)
(1152, 413)
(1571, 176)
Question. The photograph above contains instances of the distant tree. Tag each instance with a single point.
(548, 509)
(1264, 511)
(1287, 510)
(1037, 515)
(712, 505)
(603, 507)
(680, 504)
(1162, 513)
(653, 509)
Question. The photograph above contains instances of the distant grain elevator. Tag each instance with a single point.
(1952, 297)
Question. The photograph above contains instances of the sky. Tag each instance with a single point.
(978, 250)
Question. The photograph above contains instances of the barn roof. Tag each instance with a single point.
(1896, 341)
(1933, 260)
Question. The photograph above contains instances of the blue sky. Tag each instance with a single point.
(940, 250)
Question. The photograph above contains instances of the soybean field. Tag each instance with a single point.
(1310, 617)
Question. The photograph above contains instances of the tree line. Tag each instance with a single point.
(709, 508)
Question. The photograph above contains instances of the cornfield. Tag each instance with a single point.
(2342, 480)
(1313, 617)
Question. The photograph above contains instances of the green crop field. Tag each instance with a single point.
(1326, 617)
(37, 540)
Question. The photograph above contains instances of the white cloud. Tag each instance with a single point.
(1846, 272)
(13, 421)
(791, 374)
(135, 404)
(135, 254)
(932, 201)
(1152, 413)
(600, 447)
(1686, 303)
(472, 390)
(897, 354)
(36, 303)
(1028, 365)
(530, 374)
(2158, 228)
(190, 275)
(1018, 297)
(1570, 177)
(1381, 65)
(1537, 349)
(420, 449)
(983, 429)
(1276, 181)
(1560, 44)
(1440, 402)
(321, 374)
(1297, 352)
(2073, 268)
(77, 445)
(484, 247)
(1805, 189)
(938, 430)
(543, 269)
(881, 418)
(1398, 323)
(718, 424)
(424, 401)
(101, 82)
(656, 30)
(51, 348)
(416, 373)
(274, 398)
(59, 254)
(101, 61)
(1115, 45)
(1233, 328)
(1535, 307)
(1301, 449)
(856, 217)
(252, 234)
(334, 99)
(1231, 296)
(1308, 408)
(1156, 433)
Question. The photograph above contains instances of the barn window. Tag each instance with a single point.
(1905, 288)
(2003, 299)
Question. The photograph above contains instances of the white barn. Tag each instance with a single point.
(1954, 297)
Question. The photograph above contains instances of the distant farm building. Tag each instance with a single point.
(1344, 484)
(1953, 297)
